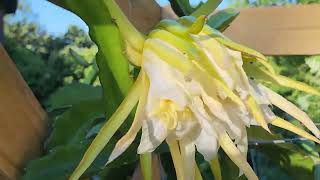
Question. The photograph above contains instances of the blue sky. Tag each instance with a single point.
(56, 20)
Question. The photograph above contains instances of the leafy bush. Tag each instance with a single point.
(47, 62)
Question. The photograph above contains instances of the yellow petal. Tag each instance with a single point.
(176, 158)
(292, 110)
(130, 33)
(129, 137)
(257, 113)
(261, 74)
(235, 155)
(188, 150)
(247, 51)
(133, 55)
(187, 21)
(173, 27)
(169, 54)
(198, 24)
(215, 168)
(202, 76)
(290, 127)
(284, 81)
(181, 44)
(108, 130)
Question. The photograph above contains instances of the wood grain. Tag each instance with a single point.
(292, 30)
(144, 14)
(22, 120)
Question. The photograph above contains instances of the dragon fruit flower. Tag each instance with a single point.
(197, 91)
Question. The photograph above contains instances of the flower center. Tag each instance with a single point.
(167, 112)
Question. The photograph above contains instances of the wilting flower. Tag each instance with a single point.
(198, 91)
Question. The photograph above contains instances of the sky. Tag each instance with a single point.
(56, 20)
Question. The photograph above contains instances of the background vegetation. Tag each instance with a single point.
(62, 72)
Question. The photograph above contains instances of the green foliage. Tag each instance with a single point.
(73, 129)
(67, 96)
(47, 62)
(79, 110)
(222, 19)
(184, 7)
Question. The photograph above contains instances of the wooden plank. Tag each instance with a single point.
(144, 14)
(22, 120)
(292, 30)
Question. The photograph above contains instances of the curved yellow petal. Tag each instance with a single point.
(261, 74)
(187, 21)
(197, 25)
(108, 130)
(216, 169)
(176, 158)
(188, 150)
(130, 33)
(129, 137)
(247, 51)
(256, 112)
(235, 155)
(292, 110)
(181, 44)
(174, 27)
(290, 127)
(169, 54)
(202, 76)
(284, 81)
(133, 55)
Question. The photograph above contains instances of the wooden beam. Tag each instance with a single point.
(293, 30)
(144, 14)
(22, 120)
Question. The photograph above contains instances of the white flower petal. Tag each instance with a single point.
(217, 56)
(242, 81)
(187, 149)
(154, 133)
(217, 109)
(207, 145)
(163, 81)
(186, 128)
(202, 116)
(258, 93)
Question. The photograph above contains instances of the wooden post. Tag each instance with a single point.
(22, 120)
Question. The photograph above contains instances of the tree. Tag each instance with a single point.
(47, 62)
(6, 6)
